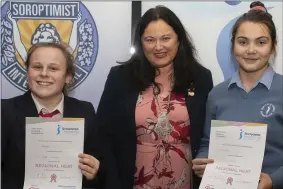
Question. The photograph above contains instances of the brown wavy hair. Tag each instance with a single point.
(256, 16)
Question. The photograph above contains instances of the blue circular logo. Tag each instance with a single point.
(233, 2)
(27, 23)
(225, 58)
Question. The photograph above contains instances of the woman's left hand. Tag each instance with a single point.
(89, 166)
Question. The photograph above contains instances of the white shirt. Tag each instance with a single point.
(45, 110)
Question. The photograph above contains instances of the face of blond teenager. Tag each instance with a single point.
(47, 73)
(160, 43)
(253, 47)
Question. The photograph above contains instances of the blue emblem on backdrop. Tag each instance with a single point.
(225, 59)
(26, 23)
(233, 2)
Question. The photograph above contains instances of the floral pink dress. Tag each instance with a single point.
(162, 161)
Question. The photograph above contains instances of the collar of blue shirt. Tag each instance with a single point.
(266, 79)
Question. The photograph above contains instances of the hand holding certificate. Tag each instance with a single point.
(237, 150)
(89, 165)
(52, 154)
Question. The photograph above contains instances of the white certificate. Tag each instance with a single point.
(51, 154)
(237, 149)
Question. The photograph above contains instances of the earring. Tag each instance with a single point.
(191, 90)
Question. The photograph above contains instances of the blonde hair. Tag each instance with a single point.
(65, 49)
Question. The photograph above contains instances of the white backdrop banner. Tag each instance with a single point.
(100, 34)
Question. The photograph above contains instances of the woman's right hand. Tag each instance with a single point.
(199, 165)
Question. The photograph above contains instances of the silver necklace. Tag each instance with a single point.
(163, 127)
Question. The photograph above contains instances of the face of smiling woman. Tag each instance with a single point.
(160, 43)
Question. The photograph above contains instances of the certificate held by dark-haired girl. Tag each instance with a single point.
(51, 154)
(237, 149)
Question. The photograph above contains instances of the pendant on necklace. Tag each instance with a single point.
(163, 126)
(140, 98)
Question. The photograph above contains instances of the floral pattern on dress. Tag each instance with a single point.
(163, 161)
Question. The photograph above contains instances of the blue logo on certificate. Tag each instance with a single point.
(241, 134)
(249, 135)
(58, 129)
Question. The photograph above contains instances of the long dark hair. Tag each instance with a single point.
(185, 64)
(256, 16)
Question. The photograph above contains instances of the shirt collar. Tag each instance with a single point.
(39, 107)
(266, 79)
